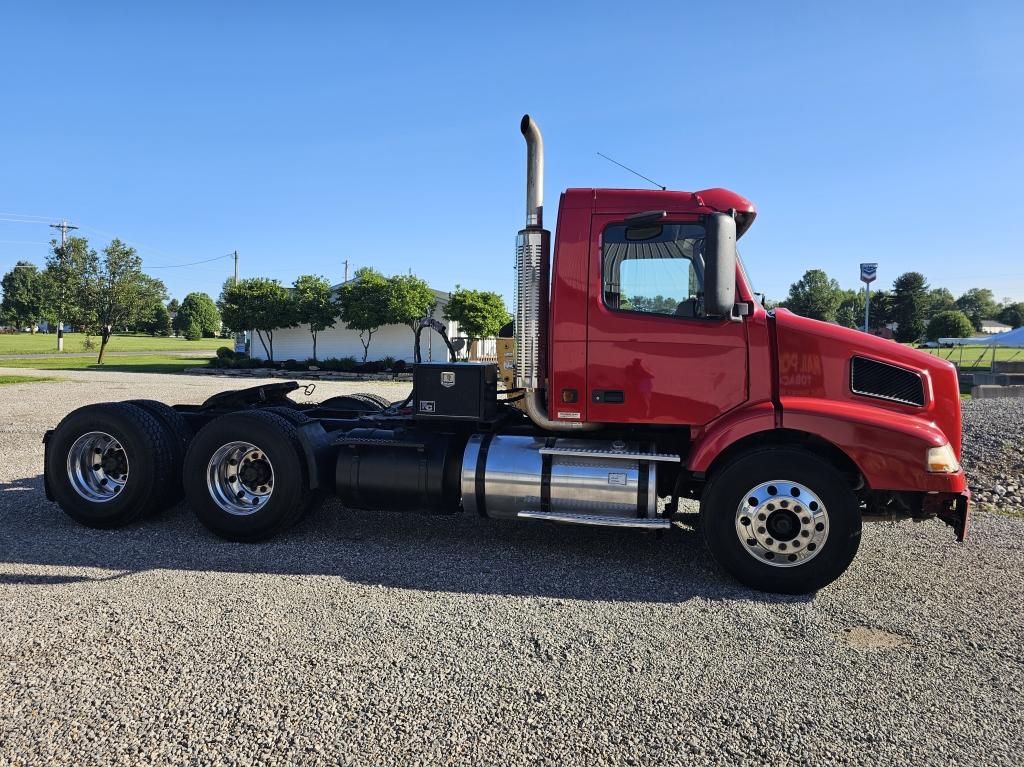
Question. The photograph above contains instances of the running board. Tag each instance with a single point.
(584, 452)
(593, 519)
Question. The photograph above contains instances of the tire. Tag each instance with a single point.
(104, 497)
(179, 435)
(376, 399)
(353, 402)
(275, 442)
(801, 531)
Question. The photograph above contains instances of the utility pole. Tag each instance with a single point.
(64, 226)
(346, 269)
(236, 267)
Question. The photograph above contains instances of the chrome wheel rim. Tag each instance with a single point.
(240, 478)
(97, 467)
(782, 523)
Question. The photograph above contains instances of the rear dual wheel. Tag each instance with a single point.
(107, 465)
(246, 476)
(781, 520)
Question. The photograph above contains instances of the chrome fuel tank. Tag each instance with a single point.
(505, 475)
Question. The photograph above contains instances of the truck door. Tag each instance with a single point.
(652, 357)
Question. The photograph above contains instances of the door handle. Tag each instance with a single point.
(609, 396)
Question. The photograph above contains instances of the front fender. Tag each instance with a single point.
(888, 447)
(710, 441)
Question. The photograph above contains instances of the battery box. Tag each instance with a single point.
(461, 390)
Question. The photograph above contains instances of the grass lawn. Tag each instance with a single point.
(157, 363)
(46, 343)
(976, 357)
(7, 380)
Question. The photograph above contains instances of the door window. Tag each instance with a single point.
(655, 269)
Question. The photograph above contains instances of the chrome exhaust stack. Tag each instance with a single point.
(533, 265)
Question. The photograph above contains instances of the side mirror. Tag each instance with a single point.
(719, 265)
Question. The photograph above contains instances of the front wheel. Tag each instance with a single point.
(781, 520)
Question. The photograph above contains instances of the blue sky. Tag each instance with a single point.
(304, 134)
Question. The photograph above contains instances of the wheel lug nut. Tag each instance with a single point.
(760, 530)
(762, 517)
(744, 521)
(232, 478)
(805, 533)
(806, 520)
(769, 541)
(812, 546)
(782, 547)
(820, 526)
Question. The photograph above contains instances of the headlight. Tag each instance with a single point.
(942, 460)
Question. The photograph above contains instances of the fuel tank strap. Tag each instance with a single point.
(479, 488)
(545, 474)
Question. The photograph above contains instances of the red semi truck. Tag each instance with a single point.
(645, 369)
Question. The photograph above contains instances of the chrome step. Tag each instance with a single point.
(594, 519)
(584, 452)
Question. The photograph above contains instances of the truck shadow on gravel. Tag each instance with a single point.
(460, 553)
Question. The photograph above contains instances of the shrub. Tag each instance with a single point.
(226, 353)
(388, 362)
(951, 324)
(348, 364)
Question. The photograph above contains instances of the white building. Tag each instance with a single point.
(991, 327)
(394, 341)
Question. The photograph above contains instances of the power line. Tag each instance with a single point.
(194, 263)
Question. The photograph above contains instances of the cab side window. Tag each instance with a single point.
(655, 269)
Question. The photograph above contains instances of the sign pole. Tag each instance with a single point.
(867, 306)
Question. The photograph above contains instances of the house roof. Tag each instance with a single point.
(995, 324)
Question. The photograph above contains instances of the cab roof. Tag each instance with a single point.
(715, 200)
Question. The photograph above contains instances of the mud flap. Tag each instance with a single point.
(954, 510)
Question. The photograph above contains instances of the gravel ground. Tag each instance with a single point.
(378, 639)
(992, 455)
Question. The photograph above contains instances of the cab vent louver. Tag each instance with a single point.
(879, 379)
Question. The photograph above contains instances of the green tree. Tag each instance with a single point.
(815, 295)
(910, 306)
(366, 304)
(22, 304)
(260, 305)
(1012, 314)
(850, 313)
(949, 324)
(156, 320)
(480, 313)
(118, 293)
(315, 304)
(978, 304)
(410, 300)
(941, 300)
(197, 315)
(882, 309)
(65, 290)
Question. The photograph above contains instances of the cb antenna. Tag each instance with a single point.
(641, 175)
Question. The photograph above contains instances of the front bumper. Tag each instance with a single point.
(952, 508)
